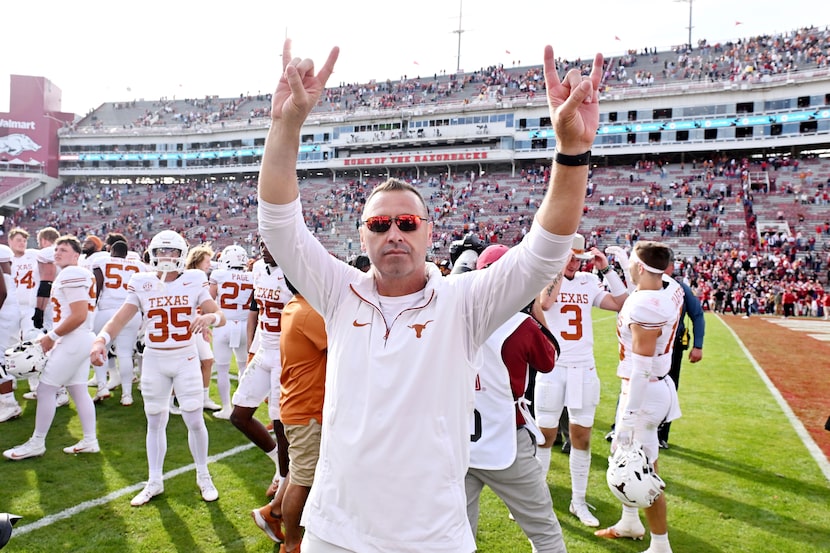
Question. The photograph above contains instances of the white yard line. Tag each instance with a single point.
(129, 490)
(601, 319)
(812, 447)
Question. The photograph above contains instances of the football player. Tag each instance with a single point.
(169, 299)
(46, 273)
(112, 274)
(26, 279)
(646, 326)
(261, 378)
(9, 332)
(567, 303)
(232, 286)
(200, 257)
(92, 248)
(73, 299)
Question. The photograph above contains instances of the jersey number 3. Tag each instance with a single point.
(574, 321)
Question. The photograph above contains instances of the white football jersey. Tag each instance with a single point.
(271, 294)
(117, 272)
(651, 309)
(73, 284)
(569, 318)
(234, 289)
(26, 277)
(9, 311)
(168, 307)
(46, 255)
(87, 262)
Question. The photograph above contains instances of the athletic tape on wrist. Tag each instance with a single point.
(615, 284)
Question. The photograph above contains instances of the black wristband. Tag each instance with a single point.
(44, 289)
(572, 161)
(605, 270)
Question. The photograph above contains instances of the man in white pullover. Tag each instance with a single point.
(405, 342)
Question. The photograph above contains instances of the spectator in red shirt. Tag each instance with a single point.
(788, 300)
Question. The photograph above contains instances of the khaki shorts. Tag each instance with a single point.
(303, 450)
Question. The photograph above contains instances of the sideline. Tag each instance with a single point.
(86, 505)
(812, 447)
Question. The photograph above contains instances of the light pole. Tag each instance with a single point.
(458, 32)
(691, 2)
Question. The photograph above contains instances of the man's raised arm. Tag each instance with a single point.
(574, 110)
(297, 93)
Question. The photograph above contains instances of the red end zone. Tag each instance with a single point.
(794, 342)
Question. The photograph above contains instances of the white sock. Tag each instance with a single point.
(223, 384)
(274, 456)
(197, 437)
(156, 443)
(126, 370)
(630, 516)
(543, 454)
(580, 465)
(85, 409)
(660, 543)
(101, 376)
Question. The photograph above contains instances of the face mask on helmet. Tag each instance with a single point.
(234, 257)
(632, 479)
(168, 252)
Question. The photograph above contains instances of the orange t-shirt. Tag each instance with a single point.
(303, 354)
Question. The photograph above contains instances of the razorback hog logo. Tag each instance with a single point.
(419, 328)
(16, 143)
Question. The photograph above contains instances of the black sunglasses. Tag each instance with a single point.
(382, 223)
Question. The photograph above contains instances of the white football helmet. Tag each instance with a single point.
(168, 239)
(24, 360)
(6, 253)
(632, 479)
(234, 257)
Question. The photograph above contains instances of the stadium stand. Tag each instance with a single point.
(720, 150)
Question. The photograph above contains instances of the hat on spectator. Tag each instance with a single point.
(578, 248)
(490, 255)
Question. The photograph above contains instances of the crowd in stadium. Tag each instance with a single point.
(223, 212)
(748, 59)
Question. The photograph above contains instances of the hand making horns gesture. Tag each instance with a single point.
(299, 88)
(574, 105)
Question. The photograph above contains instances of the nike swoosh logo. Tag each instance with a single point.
(355, 323)
(191, 358)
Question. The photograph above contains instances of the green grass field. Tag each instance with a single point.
(739, 479)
